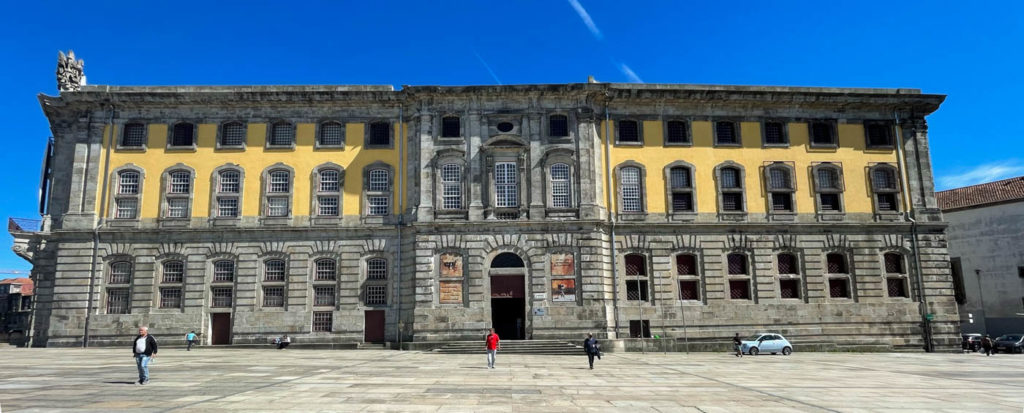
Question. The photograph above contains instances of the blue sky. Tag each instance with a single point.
(971, 51)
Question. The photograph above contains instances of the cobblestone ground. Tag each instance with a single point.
(267, 380)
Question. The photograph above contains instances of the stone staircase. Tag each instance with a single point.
(547, 347)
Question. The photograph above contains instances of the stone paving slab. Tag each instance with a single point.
(267, 380)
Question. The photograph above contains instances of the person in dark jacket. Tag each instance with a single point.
(593, 349)
(144, 350)
(986, 344)
(737, 344)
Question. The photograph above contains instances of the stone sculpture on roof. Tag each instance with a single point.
(70, 76)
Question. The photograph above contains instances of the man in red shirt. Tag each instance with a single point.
(492, 348)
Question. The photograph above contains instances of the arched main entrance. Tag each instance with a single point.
(508, 296)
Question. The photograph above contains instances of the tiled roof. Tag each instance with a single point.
(26, 284)
(982, 194)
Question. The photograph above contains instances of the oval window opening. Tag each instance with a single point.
(505, 126)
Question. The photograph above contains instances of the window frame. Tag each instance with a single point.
(368, 133)
(696, 276)
(442, 128)
(747, 275)
(318, 194)
(318, 141)
(369, 195)
(901, 275)
(670, 190)
(895, 191)
(170, 136)
(122, 144)
(369, 284)
(772, 192)
(819, 189)
(502, 203)
(642, 281)
(784, 131)
(216, 193)
(687, 132)
(639, 131)
(641, 187)
(222, 134)
(167, 195)
(742, 190)
(117, 196)
(737, 134)
(846, 276)
(272, 128)
(890, 134)
(266, 193)
(548, 128)
(833, 128)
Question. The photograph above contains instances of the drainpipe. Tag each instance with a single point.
(907, 205)
(401, 221)
(96, 229)
(611, 218)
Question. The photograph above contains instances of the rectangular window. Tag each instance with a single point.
(1020, 272)
(639, 328)
(273, 271)
(737, 264)
(558, 126)
(560, 194)
(134, 135)
(451, 186)
(117, 301)
(223, 271)
(282, 134)
(675, 132)
(120, 273)
(376, 295)
(380, 134)
(277, 206)
(838, 288)
(821, 134)
(177, 208)
(686, 264)
(227, 207)
(450, 127)
(182, 135)
(331, 134)
(126, 208)
(782, 202)
(830, 203)
(233, 134)
(631, 197)
(789, 288)
(327, 206)
(222, 297)
(636, 290)
(174, 272)
(688, 290)
(879, 134)
(725, 133)
(229, 182)
(379, 180)
(378, 205)
(170, 298)
(739, 289)
(887, 202)
(629, 131)
(787, 264)
(506, 184)
(330, 181)
(326, 270)
(323, 296)
(732, 202)
(323, 321)
(896, 286)
(273, 296)
(682, 202)
(774, 133)
(956, 270)
(377, 269)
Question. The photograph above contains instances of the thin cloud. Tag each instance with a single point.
(586, 18)
(488, 67)
(630, 74)
(989, 172)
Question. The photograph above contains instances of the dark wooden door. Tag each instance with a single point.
(373, 326)
(221, 326)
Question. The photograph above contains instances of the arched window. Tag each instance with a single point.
(730, 189)
(173, 272)
(223, 271)
(780, 187)
(636, 278)
(561, 186)
(273, 270)
(331, 134)
(451, 186)
(507, 260)
(680, 179)
(885, 188)
(278, 193)
(178, 194)
(228, 193)
(631, 190)
(120, 273)
(326, 270)
(232, 134)
(378, 191)
(281, 134)
(328, 193)
(126, 196)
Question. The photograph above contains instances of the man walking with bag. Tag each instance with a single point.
(591, 346)
(493, 345)
(144, 350)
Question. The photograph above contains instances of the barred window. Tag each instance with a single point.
(376, 295)
(280, 182)
(894, 263)
(780, 187)
(739, 289)
(680, 178)
(789, 288)
(134, 135)
(730, 178)
(629, 131)
(183, 134)
(686, 264)
(451, 186)
(836, 263)
(561, 195)
(681, 189)
(174, 272)
(829, 187)
(230, 181)
(127, 208)
(282, 134)
(330, 180)
(838, 288)
(380, 134)
(636, 265)
(885, 187)
(878, 133)
(828, 178)
(180, 182)
(327, 206)
(632, 189)
(378, 205)
(883, 179)
(896, 286)
(222, 297)
(326, 270)
(120, 273)
(179, 187)
(558, 126)
(636, 290)
(379, 180)
(170, 297)
(506, 184)
(725, 133)
(331, 134)
(730, 188)
(376, 269)
(273, 296)
(232, 134)
(323, 296)
(774, 133)
(737, 264)
(128, 183)
(450, 127)
(227, 207)
(117, 301)
(273, 270)
(779, 179)
(821, 134)
(224, 271)
(330, 185)
(689, 290)
(787, 263)
(323, 321)
(675, 132)
(177, 208)
(277, 206)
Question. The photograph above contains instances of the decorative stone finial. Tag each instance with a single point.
(70, 76)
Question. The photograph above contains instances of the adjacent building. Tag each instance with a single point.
(15, 310)
(986, 248)
(341, 214)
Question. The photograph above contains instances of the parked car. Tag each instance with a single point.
(1009, 343)
(766, 343)
(970, 342)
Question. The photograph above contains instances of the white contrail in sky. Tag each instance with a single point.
(488, 67)
(630, 73)
(586, 18)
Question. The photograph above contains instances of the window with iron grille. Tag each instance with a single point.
(730, 178)
(177, 208)
(174, 272)
(273, 296)
(629, 131)
(775, 133)
(179, 187)
(327, 206)
(688, 290)
(379, 180)
(378, 205)
(376, 269)
(451, 186)
(836, 263)
(323, 296)
(636, 290)
(326, 270)
(506, 185)
(127, 208)
(331, 134)
(180, 182)
(232, 134)
(640, 328)
(737, 264)
(830, 203)
(725, 133)
(134, 135)
(222, 297)
(224, 271)
(887, 202)
(732, 202)
(829, 187)
(120, 273)
(329, 183)
(632, 189)
(561, 195)
(282, 134)
(739, 289)
(279, 182)
(230, 182)
(838, 288)
(227, 207)
(117, 301)
(273, 270)
(558, 126)
(822, 134)
(183, 134)
(323, 321)
(451, 127)
(782, 202)
(376, 295)
(883, 183)
(896, 286)
(636, 265)
(128, 183)
(878, 134)
(330, 180)
(789, 288)
(277, 206)
(779, 179)
(827, 178)
(675, 132)
(686, 264)
(787, 263)
(894, 263)
(170, 297)
(380, 134)
(681, 186)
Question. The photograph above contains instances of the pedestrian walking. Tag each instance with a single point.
(190, 339)
(593, 349)
(736, 344)
(144, 350)
(986, 344)
(284, 342)
(493, 345)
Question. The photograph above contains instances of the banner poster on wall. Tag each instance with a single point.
(563, 290)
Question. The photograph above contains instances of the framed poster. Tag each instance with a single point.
(563, 290)
(451, 265)
(562, 265)
(451, 292)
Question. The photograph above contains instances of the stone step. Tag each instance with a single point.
(547, 347)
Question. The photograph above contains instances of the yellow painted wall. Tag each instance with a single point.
(254, 159)
(851, 154)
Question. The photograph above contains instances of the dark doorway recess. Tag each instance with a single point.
(220, 324)
(508, 316)
(373, 327)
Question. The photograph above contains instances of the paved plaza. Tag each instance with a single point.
(268, 380)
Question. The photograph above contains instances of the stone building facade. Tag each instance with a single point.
(343, 214)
